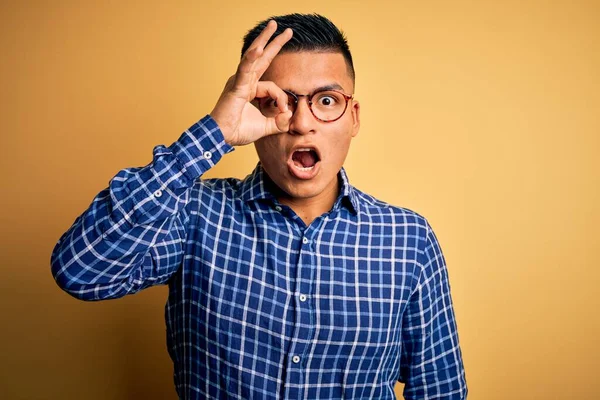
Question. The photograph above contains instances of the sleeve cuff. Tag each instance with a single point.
(200, 147)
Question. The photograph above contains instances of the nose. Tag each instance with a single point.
(302, 122)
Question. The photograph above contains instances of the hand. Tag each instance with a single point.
(240, 121)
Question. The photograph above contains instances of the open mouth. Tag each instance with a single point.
(304, 163)
(305, 159)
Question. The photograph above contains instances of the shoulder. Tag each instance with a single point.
(228, 186)
(215, 193)
(404, 220)
(373, 207)
(411, 229)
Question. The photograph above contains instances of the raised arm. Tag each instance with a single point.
(132, 236)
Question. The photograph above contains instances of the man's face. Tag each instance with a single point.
(303, 73)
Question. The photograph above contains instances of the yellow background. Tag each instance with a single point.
(481, 115)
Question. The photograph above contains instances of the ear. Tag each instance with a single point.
(355, 109)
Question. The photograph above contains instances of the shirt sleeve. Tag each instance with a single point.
(132, 235)
(431, 360)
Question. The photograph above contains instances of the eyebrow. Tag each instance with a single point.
(332, 86)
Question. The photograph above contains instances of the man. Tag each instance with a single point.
(291, 283)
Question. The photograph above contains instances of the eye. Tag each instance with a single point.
(269, 103)
(327, 99)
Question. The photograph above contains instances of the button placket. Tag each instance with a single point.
(304, 315)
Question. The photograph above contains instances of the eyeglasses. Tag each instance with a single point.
(325, 105)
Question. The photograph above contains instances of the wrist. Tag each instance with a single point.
(224, 131)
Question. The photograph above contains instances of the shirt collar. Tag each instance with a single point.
(257, 186)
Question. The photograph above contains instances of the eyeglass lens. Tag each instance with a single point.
(326, 105)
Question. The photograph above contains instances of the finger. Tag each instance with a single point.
(245, 74)
(253, 53)
(270, 89)
(263, 38)
(278, 124)
(272, 49)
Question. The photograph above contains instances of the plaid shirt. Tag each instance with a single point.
(261, 306)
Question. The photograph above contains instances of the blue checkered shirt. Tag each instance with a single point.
(260, 305)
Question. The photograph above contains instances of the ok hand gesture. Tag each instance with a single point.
(240, 122)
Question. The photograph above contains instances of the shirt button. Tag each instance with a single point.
(302, 297)
(278, 209)
(296, 359)
(158, 193)
(207, 155)
(305, 240)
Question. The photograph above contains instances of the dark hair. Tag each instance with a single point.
(312, 32)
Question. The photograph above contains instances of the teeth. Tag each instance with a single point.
(308, 149)
(304, 169)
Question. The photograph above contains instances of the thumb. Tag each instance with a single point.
(279, 124)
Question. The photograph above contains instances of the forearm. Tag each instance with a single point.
(132, 234)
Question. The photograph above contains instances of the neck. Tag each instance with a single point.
(308, 209)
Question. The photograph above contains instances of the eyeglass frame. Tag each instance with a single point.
(309, 96)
